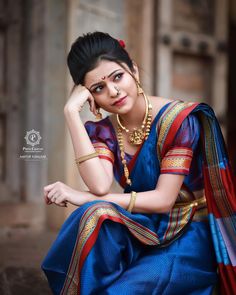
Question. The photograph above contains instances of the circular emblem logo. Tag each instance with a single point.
(32, 137)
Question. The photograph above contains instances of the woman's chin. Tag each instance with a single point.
(123, 112)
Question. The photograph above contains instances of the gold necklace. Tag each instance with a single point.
(147, 124)
(122, 154)
(137, 136)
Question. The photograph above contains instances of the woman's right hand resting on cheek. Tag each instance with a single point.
(78, 96)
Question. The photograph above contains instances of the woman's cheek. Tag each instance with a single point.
(102, 102)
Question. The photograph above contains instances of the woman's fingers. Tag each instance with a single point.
(48, 193)
(92, 105)
(48, 187)
(79, 95)
(61, 205)
(53, 193)
(47, 200)
(61, 201)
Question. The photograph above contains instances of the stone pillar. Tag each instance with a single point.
(44, 94)
(54, 97)
(139, 27)
(10, 99)
(220, 72)
(34, 173)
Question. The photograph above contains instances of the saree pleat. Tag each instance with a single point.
(103, 249)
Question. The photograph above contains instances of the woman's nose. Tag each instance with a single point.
(113, 90)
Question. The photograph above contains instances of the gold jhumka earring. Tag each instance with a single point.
(139, 88)
(99, 114)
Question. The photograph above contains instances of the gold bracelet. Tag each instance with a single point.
(85, 158)
(132, 201)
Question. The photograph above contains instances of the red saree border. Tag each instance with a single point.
(177, 159)
(170, 122)
(103, 151)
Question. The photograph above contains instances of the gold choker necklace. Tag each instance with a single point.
(137, 135)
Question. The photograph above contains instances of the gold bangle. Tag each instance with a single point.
(132, 201)
(85, 158)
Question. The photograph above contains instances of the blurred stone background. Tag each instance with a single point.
(184, 48)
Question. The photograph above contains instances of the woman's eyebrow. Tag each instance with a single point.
(107, 77)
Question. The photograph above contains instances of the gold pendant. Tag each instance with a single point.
(136, 137)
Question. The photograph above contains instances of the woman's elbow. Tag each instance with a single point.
(101, 190)
(166, 206)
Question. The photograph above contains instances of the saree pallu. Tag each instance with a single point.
(219, 183)
(103, 249)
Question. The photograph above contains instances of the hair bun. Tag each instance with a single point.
(122, 43)
(88, 49)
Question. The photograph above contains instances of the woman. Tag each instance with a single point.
(169, 157)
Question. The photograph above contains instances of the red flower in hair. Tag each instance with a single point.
(122, 43)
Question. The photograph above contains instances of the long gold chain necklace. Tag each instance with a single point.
(136, 137)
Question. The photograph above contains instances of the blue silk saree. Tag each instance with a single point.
(103, 249)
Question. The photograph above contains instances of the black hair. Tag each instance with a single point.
(89, 49)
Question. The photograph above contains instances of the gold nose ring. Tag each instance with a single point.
(118, 90)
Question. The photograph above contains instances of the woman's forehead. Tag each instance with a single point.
(103, 69)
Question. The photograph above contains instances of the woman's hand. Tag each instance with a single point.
(78, 96)
(60, 193)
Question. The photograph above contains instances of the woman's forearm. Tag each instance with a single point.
(95, 179)
(146, 202)
(159, 200)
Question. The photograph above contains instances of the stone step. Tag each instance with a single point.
(22, 250)
(23, 281)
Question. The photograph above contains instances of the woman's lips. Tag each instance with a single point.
(120, 101)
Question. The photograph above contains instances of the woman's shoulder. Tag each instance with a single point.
(175, 110)
(159, 102)
(100, 129)
(104, 122)
(175, 104)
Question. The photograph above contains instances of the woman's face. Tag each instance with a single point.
(104, 82)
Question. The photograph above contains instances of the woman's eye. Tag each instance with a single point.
(118, 76)
(98, 89)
